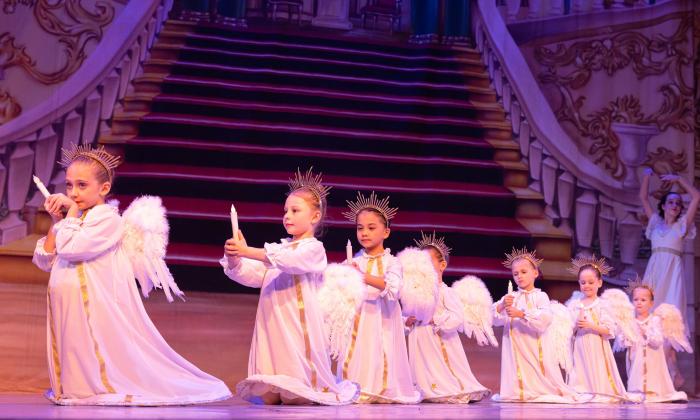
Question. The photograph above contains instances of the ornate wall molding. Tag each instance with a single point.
(9, 108)
(570, 67)
(71, 23)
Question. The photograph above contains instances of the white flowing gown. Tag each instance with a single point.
(103, 348)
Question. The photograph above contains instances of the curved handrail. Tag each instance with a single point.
(118, 39)
(539, 113)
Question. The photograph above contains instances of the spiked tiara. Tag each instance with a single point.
(311, 182)
(98, 154)
(371, 202)
(434, 241)
(638, 283)
(600, 264)
(517, 254)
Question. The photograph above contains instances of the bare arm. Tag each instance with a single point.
(644, 194)
(694, 199)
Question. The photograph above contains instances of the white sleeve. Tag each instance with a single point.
(83, 240)
(392, 279)
(539, 317)
(42, 259)
(247, 272)
(451, 319)
(499, 318)
(308, 257)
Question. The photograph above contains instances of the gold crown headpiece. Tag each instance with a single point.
(517, 254)
(311, 182)
(371, 202)
(434, 241)
(637, 283)
(98, 154)
(599, 264)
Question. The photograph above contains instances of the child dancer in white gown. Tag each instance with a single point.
(376, 357)
(594, 368)
(288, 360)
(667, 230)
(529, 371)
(436, 354)
(647, 371)
(102, 347)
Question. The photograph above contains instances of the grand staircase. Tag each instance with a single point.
(221, 117)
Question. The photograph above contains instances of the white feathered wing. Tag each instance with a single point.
(560, 331)
(340, 297)
(673, 327)
(476, 309)
(419, 286)
(622, 311)
(145, 241)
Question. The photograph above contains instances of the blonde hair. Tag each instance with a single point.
(319, 205)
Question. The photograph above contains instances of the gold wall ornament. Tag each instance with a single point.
(646, 56)
(74, 26)
(9, 6)
(9, 108)
(665, 161)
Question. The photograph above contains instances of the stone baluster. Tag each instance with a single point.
(91, 117)
(566, 187)
(515, 117)
(549, 186)
(19, 175)
(513, 8)
(524, 137)
(535, 9)
(586, 205)
(630, 240)
(606, 227)
(556, 7)
(536, 165)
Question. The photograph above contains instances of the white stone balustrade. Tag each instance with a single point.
(514, 10)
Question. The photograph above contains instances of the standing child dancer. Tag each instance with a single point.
(594, 368)
(529, 372)
(647, 371)
(438, 362)
(288, 361)
(376, 357)
(102, 347)
(667, 230)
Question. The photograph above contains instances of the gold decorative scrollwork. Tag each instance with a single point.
(9, 108)
(9, 6)
(665, 161)
(72, 24)
(646, 56)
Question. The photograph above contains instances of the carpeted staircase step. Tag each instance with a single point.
(285, 60)
(327, 98)
(204, 128)
(315, 79)
(330, 42)
(259, 185)
(251, 156)
(299, 114)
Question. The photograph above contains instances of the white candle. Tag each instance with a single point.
(348, 252)
(510, 287)
(234, 222)
(42, 188)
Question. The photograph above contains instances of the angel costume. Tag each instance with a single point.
(376, 357)
(438, 362)
(103, 348)
(288, 352)
(647, 371)
(529, 370)
(594, 369)
(664, 271)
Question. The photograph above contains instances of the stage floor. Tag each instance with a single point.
(35, 406)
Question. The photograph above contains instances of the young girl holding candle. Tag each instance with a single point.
(288, 359)
(594, 368)
(102, 347)
(529, 372)
(438, 362)
(376, 357)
